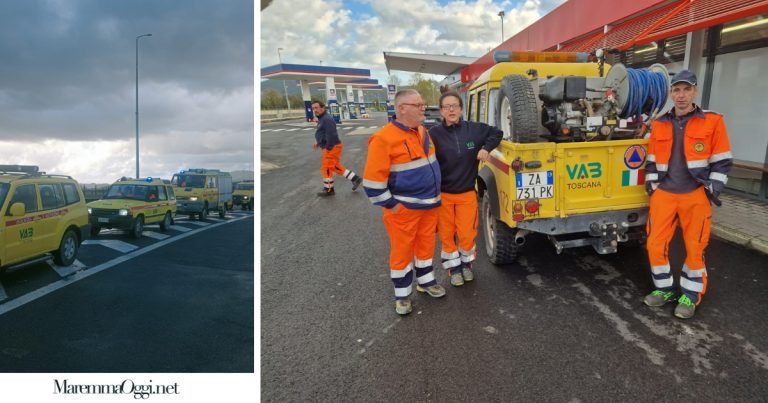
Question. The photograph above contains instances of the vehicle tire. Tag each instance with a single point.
(95, 229)
(517, 111)
(67, 252)
(250, 205)
(223, 212)
(138, 227)
(203, 213)
(499, 238)
(166, 223)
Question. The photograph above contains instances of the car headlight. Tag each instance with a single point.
(122, 212)
(193, 198)
(245, 197)
(90, 211)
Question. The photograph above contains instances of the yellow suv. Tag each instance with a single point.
(129, 204)
(243, 195)
(39, 214)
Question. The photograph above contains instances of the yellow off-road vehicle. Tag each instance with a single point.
(571, 162)
(130, 204)
(39, 215)
(243, 195)
(200, 191)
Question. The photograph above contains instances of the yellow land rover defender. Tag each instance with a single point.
(200, 191)
(130, 204)
(243, 195)
(572, 159)
(39, 214)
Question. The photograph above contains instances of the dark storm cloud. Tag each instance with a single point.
(67, 67)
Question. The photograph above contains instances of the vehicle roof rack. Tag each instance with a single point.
(21, 169)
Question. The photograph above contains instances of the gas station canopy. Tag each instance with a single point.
(424, 63)
(305, 72)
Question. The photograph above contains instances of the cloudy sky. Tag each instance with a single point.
(67, 86)
(355, 33)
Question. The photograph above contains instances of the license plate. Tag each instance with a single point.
(102, 219)
(534, 185)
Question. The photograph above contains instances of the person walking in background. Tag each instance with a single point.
(327, 139)
(460, 146)
(402, 176)
(689, 158)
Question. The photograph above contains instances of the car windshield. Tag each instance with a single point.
(189, 181)
(244, 186)
(3, 192)
(128, 191)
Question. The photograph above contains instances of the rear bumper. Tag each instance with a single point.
(585, 222)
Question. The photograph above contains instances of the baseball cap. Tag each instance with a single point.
(684, 76)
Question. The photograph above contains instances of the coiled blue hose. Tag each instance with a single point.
(643, 84)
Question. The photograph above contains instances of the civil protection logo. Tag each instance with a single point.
(634, 157)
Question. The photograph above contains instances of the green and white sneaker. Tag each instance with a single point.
(659, 298)
(466, 272)
(435, 291)
(685, 307)
(457, 280)
(403, 306)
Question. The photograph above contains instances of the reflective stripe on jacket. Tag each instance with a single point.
(707, 151)
(402, 167)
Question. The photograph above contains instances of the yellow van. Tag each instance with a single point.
(243, 195)
(200, 191)
(130, 204)
(39, 215)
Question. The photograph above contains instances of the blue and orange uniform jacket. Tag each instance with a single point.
(402, 168)
(326, 135)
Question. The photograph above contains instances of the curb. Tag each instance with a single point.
(740, 238)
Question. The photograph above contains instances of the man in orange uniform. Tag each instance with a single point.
(327, 139)
(689, 158)
(402, 176)
(460, 145)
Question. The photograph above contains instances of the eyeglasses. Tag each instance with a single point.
(450, 107)
(416, 105)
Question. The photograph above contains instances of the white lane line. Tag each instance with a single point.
(119, 246)
(180, 228)
(198, 223)
(278, 130)
(43, 291)
(3, 295)
(266, 130)
(155, 235)
(308, 128)
(292, 130)
(215, 219)
(65, 271)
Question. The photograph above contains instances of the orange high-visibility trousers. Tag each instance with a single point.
(457, 218)
(694, 214)
(412, 245)
(332, 164)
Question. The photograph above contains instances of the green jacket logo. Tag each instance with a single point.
(470, 145)
(585, 171)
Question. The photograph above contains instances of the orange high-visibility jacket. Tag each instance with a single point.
(707, 151)
(402, 167)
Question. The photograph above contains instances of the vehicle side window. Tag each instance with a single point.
(161, 193)
(70, 193)
(492, 99)
(25, 194)
(470, 107)
(481, 109)
(59, 192)
(48, 197)
(171, 195)
(152, 193)
(212, 182)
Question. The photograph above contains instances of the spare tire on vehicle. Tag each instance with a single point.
(517, 111)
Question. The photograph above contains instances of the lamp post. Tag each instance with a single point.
(285, 86)
(137, 102)
(501, 14)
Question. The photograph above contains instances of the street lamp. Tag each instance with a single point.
(137, 102)
(285, 86)
(501, 14)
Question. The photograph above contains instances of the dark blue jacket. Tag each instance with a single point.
(457, 147)
(326, 135)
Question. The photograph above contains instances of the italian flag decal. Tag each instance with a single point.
(633, 177)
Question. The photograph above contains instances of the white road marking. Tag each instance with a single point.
(277, 130)
(182, 229)
(292, 130)
(155, 235)
(43, 291)
(214, 219)
(119, 246)
(198, 223)
(65, 271)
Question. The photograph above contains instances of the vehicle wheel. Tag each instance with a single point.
(95, 229)
(67, 251)
(138, 227)
(166, 223)
(517, 110)
(203, 213)
(499, 238)
(250, 205)
(223, 212)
